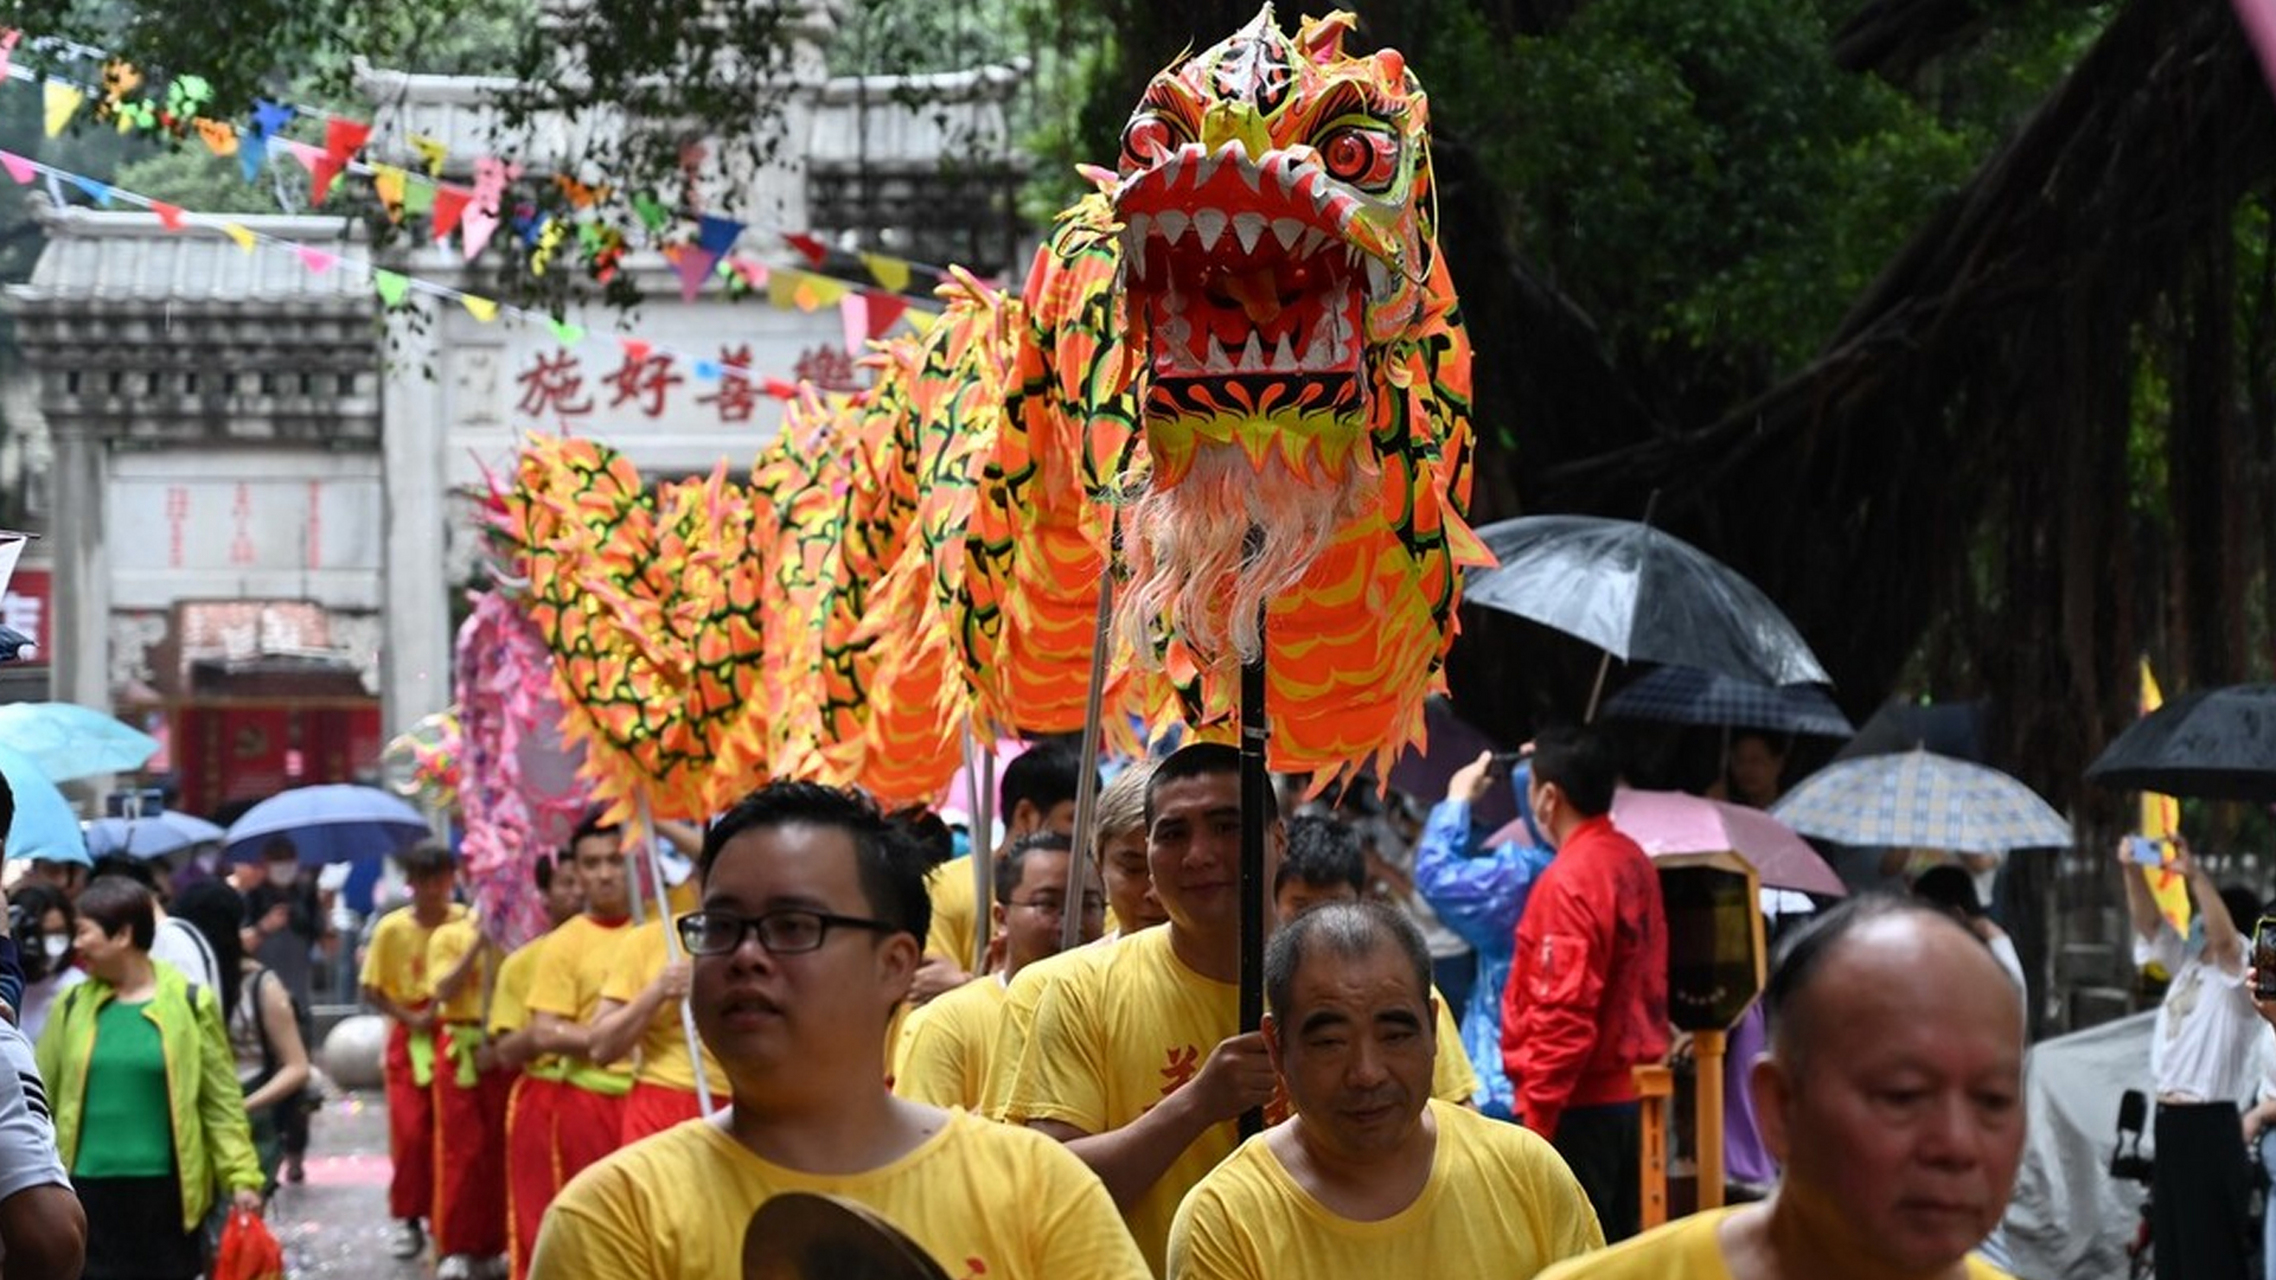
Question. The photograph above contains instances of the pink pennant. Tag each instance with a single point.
(481, 221)
(754, 273)
(476, 228)
(315, 259)
(169, 215)
(308, 156)
(693, 266)
(8, 39)
(22, 170)
(853, 314)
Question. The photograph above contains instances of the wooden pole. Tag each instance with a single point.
(981, 771)
(1707, 1050)
(673, 954)
(1255, 732)
(1086, 850)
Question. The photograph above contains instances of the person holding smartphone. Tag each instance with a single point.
(2202, 1059)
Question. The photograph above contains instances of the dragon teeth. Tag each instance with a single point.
(1173, 225)
(1286, 176)
(1320, 350)
(1209, 224)
(1250, 228)
(1252, 356)
(1287, 231)
(1206, 168)
(1218, 362)
(1313, 240)
(1284, 356)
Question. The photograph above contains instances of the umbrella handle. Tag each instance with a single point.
(1596, 692)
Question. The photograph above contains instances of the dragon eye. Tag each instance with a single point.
(1365, 158)
(1147, 139)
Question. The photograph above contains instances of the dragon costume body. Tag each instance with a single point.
(1236, 381)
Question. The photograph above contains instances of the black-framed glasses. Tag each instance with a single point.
(1093, 905)
(789, 931)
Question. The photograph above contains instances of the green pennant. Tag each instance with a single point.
(418, 197)
(654, 216)
(565, 333)
(391, 287)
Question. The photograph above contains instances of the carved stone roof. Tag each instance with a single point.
(94, 258)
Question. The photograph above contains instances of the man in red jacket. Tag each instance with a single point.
(1587, 995)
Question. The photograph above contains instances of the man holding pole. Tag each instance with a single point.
(395, 984)
(1038, 794)
(470, 1089)
(565, 993)
(530, 1184)
(642, 1004)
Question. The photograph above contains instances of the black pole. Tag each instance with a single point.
(1255, 731)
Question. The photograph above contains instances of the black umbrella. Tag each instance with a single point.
(1640, 594)
(1687, 695)
(2215, 744)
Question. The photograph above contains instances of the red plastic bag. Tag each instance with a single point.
(248, 1251)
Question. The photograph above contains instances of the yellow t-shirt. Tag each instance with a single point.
(568, 979)
(395, 962)
(1499, 1202)
(1016, 1018)
(1685, 1249)
(664, 1045)
(985, 1200)
(446, 946)
(1451, 1076)
(509, 1002)
(955, 911)
(1114, 1037)
(942, 1056)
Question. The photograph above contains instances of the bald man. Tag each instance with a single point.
(1893, 1097)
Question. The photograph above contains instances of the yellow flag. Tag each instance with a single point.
(921, 321)
(387, 180)
(891, 272)
(242, 234)
(2161, 820)
(483, 309)
(62, 102)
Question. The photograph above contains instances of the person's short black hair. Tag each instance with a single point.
(591, 825)
(117, 903)
(1045, 775)
(1322, 851)
(1346, 931)
(120, 865)
(278, 848)
(426, 858)
(1201, 760)
(541, 871)
(891, 865)
(217, 911)
(2244, 908)
(1803, 952)
(1581, 762)
(928, 830)
(1949, 887)
(1012, 863)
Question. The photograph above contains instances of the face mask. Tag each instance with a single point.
(56, 946)
(282, 874)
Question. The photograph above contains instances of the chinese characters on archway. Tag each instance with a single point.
(556, 384)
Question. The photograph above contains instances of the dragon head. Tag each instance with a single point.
(1274, 200)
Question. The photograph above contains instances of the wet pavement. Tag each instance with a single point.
(335, 1226)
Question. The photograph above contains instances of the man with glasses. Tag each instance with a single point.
(946, 1045)
(813, 921)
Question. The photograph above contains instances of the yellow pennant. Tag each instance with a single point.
(2161, 820)
(891, 272)
(62, 103)
(388, 180)
(483, 309)
(242, 234)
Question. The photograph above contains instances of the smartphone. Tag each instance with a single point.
(2264, 959)
(1505, 762)
(2147, 850)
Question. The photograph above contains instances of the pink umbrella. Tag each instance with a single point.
(1667, 823)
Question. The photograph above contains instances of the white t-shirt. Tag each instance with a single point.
(28, 1157)
(2206, 1041)
(179, 944)
(39, 996)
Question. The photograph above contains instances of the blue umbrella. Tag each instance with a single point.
(69, 741)
(331, 823)
(44, 826)
(150, 836)
(1921, 800)
(1688, 695)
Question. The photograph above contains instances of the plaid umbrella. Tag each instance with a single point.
(1921, 800)
(1688, 695)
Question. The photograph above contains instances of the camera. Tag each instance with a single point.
(25, 929)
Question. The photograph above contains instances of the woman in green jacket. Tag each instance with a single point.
(148, 1115)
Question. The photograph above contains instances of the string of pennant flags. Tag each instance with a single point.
(785, 287)
(473, 212)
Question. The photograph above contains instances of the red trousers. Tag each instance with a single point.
(531, 1178)
(410, 1131)
(470, 1163)
(653, 1108)
(587, 1126)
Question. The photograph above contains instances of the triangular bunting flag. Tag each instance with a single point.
(652, 215)
(716, 235)
(99, 192)
(270, 118)
(693, 266)
(707, 370)
(923, 321)
(8, 41)
(780, 389)
(434, 152)
(308, 156)
(219, 136)
(22, 170)
(251, 155)
(61, 102)
(884, 309)
(782, 289)
(483, 309)
(853, 314)
(753, 273)
(241, 233)
(634, 349)
(811, 249)
(342, 140)
(891, 272)
(817, 292)
(419, 198)
(387, 181)
(390, 286)
(315, 259)
(450, 207)
(169, 215)
(565, 333)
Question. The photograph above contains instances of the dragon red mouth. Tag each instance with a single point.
(1249, 291)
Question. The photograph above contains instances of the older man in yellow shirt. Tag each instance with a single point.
(1370, 1176)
